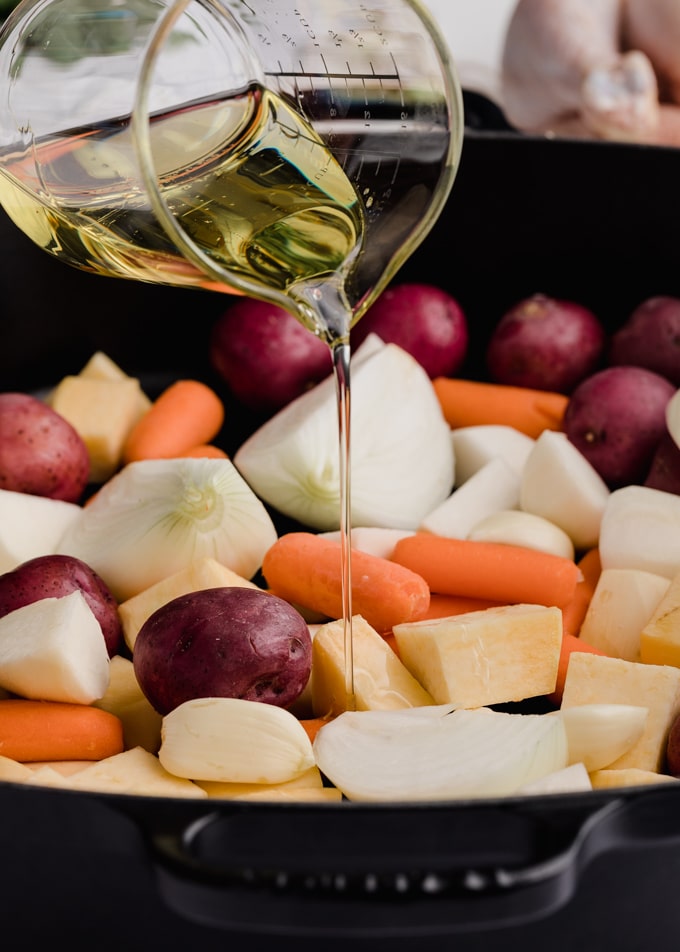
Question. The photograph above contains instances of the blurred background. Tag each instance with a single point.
(474, 30)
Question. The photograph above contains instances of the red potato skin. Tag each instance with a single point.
(650, 338)
(223, 642)
(53, 576)
(664, 472)
(673, 749)
(616, 418)
(545, 343)
(265, 355)
(423, 320)
(40, 452)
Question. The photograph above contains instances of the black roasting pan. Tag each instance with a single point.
(594, 222)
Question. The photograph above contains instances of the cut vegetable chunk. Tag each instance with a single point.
(381, 681)
(597, 679)
(488, 657)
(410, 755)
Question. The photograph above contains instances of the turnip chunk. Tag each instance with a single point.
(31, 526)
(54, 650)
(559, 484)
(640, 529)
(403, 756)
(621, 605)
(474, 446)
(492, 488)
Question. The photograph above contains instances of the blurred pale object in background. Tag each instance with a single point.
(605, 69)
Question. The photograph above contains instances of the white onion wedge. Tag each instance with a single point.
(156, 517)
(402, 455)
(598, 734)
(572, 779)
(407, 756)
(641, 530)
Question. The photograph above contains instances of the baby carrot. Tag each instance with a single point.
(574, 613)
(185, 414)
(442, 606)
(305, 569)
(570, 644)
(471, 403)
(55, 730)
(491, 570)
(313, 725)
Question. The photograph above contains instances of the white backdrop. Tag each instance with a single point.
(475, 30)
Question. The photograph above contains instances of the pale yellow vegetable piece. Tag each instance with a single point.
(597, 679)
(660, 638)
(304, 794)
(623, 602)
(201, 574)
(13, 771)
(103, 412)
(101, 367)
(134, 771)
(309, 780)
(381, 681)
(485, 657)
(308, 786)
(125, 699)
(64, 767)
(627, 777)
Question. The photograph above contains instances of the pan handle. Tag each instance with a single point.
(454, 871)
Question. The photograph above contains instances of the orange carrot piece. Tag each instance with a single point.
(472, 403)
(55, 730)
(306, 569)
(313, 725)
(204, 450)
(574, 613)
(490, 570)
(185, 414)
(442, 606)
(570, 644)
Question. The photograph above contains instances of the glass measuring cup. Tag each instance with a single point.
(297, 153)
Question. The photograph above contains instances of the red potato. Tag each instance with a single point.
(616, 418)
(545, 344)
(664, 472)
(223, 642)
(673, 748)
(650, 338)
(423, 320)
(40, 452)
(265, 355)
(53, 576)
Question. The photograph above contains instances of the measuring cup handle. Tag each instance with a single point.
(432, 890)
